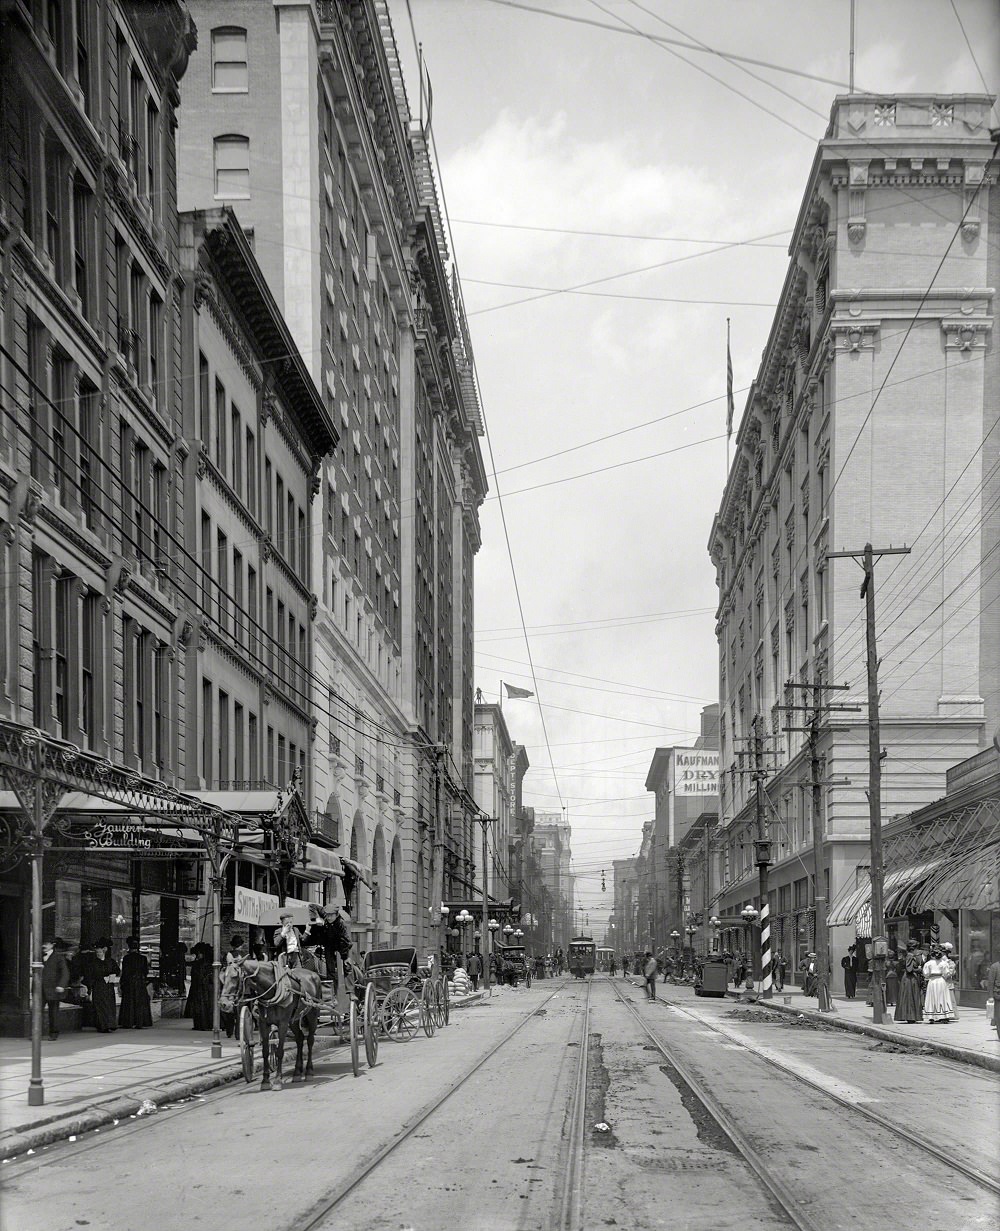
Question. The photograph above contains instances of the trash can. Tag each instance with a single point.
(714, 979)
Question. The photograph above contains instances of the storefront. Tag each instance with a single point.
(941, 877)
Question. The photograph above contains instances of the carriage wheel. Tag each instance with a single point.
(437, 1002)
(353, 1029)
(247, 1030)
(400, 1018)
(446, 1001)
(371, 1025)
(427, 1005)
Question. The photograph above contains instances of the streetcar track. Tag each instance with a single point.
(776, 1188)
(316, 1215)
(974, 1174)
(571, 1194)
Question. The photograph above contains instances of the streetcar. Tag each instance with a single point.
(582, 956)
(604, 959)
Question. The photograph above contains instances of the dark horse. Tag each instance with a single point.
(283, 998)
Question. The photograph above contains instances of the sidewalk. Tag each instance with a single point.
(92, 1080)
(972, 1039)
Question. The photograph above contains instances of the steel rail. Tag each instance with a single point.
(317, 1213)
(570, 1216)
(779, 1191)
(916, 1139)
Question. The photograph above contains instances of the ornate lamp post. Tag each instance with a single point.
(749, 915)
(715, 923)
(463, 919)
(674, 938)
(690, 930)
(518, 935)
(494, 927)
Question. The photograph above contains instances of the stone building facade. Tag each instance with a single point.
(299, 121)
(866, 423)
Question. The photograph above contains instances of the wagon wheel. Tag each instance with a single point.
(427, 1002)
(247, 1032)
(446, 1001)
(437, 1002)
(400, 1015)
(371, 1026)
(354, 1026)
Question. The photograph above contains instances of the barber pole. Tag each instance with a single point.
(765, 951)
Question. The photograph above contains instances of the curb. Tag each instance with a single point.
(962, 1054)
(122, 1107)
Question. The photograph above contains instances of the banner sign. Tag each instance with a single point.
(251, 905)
(696, 771)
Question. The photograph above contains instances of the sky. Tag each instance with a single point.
(662, 183)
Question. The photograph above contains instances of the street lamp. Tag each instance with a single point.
(749, 915)
(519, 936)
(675, 937)
(508, 932)
(715, 923)
(463, 918)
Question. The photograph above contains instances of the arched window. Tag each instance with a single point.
(229, 60)
(232, 167)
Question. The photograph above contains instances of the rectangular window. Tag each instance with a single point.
(303, 548)
(82, 213)
(141, 474)
(207, 735)
(60, 664)
(54, 208)
(237, 444)
(158, 514)
(268, 519)
(83, 52)
(239, 736)
(152, 157)
(279, 504)
(269, 627)
(136, 161)
(229, 61)
(252, 614)
(224, 764)
(251, 460)
(238, 596)
(282, 674)
(89, 655)
(282, 761)
(253, 752)
(220, 425)
(222, 577)
(161, 703)
(155, 348)
(206, 564)
(204, 401)
(232, 168)
(63, 427)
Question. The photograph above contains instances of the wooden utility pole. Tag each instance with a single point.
(761, 849)
(815, 712)
(880, 944)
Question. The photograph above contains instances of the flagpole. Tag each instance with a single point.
(501, 696)
(729, 398)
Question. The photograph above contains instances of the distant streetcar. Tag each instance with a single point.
(582, 956)
(604, 959)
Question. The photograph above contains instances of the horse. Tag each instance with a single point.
(284, 998)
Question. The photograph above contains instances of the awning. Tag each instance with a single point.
(319, 859)
(853, 906)
(970, 882)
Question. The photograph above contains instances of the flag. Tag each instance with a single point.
(514, 692)
(729, 386)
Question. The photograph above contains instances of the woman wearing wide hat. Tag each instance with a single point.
(908, 1002)
(135, 1011)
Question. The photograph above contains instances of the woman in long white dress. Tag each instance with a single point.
(950, 975)
(937, 1002)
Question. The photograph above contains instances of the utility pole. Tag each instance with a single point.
(815, 711)
(880, 944)
(486, 936)
(762, 851)
(437, 838)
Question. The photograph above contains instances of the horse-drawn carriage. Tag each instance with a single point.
(405, 997)
(516, 956)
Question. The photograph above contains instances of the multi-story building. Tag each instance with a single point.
(299, 120)
(495, 786)
(551, 843)
(684, 783)
(92, 436)
(869, 421)
(625, 888)
(259, 432)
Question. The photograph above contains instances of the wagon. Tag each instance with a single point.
(404, 1001)
(518, 958)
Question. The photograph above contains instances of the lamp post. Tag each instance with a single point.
(518, 935)
(463, 919)
(674, 938)
(715, 923)
(690, 930)
(749, 915)
(494, 927)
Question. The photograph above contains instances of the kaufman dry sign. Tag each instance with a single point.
(696, 772)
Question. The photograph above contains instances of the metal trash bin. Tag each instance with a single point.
(714, 979)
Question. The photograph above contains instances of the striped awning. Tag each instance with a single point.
(970, 882)
(855, 904)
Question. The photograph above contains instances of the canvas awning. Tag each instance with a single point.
(970, 882)
(854, 906)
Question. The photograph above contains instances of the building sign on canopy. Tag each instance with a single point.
(696, 771)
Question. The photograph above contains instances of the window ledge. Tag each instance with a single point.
(230, 89)
(231, 196)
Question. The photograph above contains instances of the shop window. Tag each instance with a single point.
(229, 60)
(232, 168)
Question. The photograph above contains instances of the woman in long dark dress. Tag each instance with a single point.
(199, 1001)
(102, 993)
(134, 1012)
(909, 1003)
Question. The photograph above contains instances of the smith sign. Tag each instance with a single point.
(696, 772)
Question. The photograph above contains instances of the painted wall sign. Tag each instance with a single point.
(696, 772)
